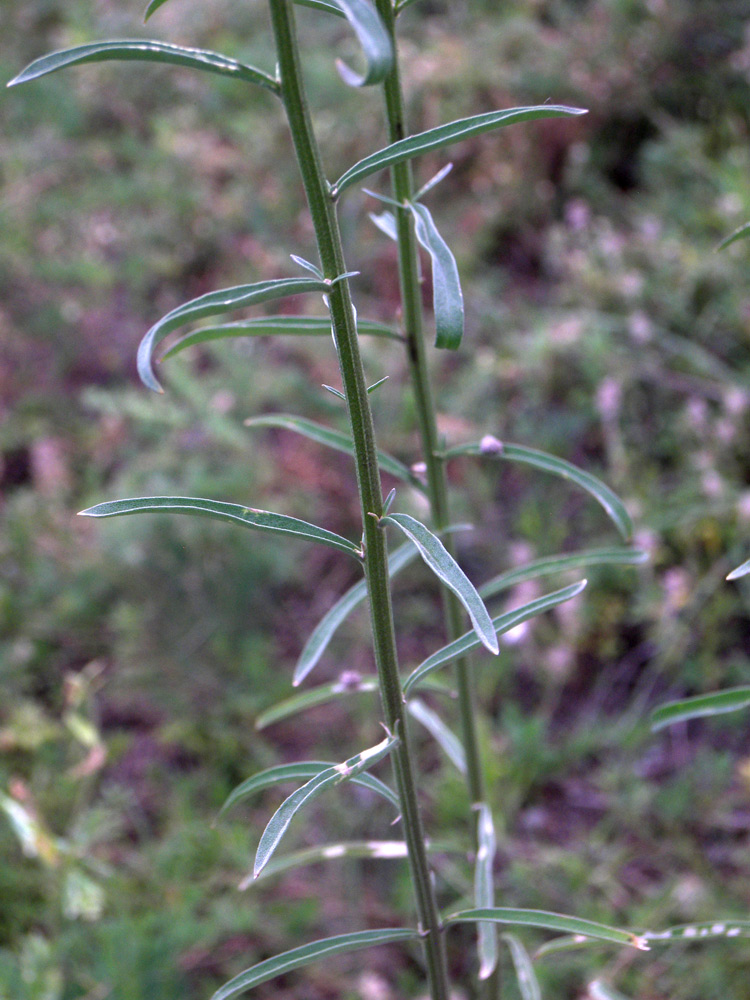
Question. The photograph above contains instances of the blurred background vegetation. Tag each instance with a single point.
(602, 326)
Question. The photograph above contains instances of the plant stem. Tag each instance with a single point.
(327, 235)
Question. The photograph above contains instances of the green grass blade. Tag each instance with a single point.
(528, 984)
(277, 825)
(447, 297)
(445, 135)
(301, 771)
(699, 706)
(144, 50)
(741, 570)
(622, 556)
(599, 990)
(382, 850)
(212, 304)
(484, 890)
(700, 932)
(445, 567)
(490, 447)
(553, 922)
(443, 736)
(741, 233)
(502, 623)
(248, 517)
(329, 623)
(297, 958)
(333, 439)
(375, 42)
(268, 326)
(317, 696)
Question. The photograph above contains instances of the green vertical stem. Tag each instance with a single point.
(411, 299)
(328, 238)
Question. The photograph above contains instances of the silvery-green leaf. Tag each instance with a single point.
(144, 50)
(375, 41)
(599, 990)
(445, 135)
(443, 736)
(379, 850)
(502, 623)
(528, 984)
(447, 297)
(386, 223)
(700, 932)
(277, 826)
(717, 703)
(551, 921)
(490, 447)
(327, 6)
(316, 696)
(213, 304)
(741, 570)
(248, 517)
(741, 233)
(307, 953)
(484, 890)
(445, 567)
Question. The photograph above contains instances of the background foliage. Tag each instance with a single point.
(601, 325)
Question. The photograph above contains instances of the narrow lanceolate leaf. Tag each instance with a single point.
(700, 932)
(444, 737)
(213, 304)
(599, 990)
(490, 447)
(376, 43)
(300, 771)
(445, 135)
(484, 890)
(741, 570)
(297, 958)
(380, 850)
(268, 326)
(317, 696)
(333, 439)
(502, 623)
(528, 984)
(274, 831)
(249, 517)
(327, 6)
(553, 922)
(616, 556)
(701, 705)
(741, 233)
(447, 297)
(324, 631)
(152, 8)
(445, 567)
(145, 50)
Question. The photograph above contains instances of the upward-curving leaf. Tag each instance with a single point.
(327, 6)
(276, 828)
(445, 135)
(145, 50)
(717, 703)
(307, 953)
(552, 921)
(447, 297)
(490, 447)
(445, 567)
(741, 233)
(375, 41)
(249, 517)
(213, 304)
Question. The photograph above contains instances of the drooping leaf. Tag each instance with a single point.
(375, 41)
(249, 517)
(303, 770)
(553, 922)
(274, 831)
(447, 297)
(443, 736)
(144, 50)
(307, 953)
(381, 850)
(616, 556)
(599, 990)
(333, 439)
(528, 984)
(445, 135)
(152, 8)
(213, 304)
(502, 623)
(700, 932)
(741, 570)
(445, 567)
(741, 233)
(484, 890)
(717, 703)
(316, 696)
(490, 447)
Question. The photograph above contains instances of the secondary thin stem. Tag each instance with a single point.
(327, 235)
